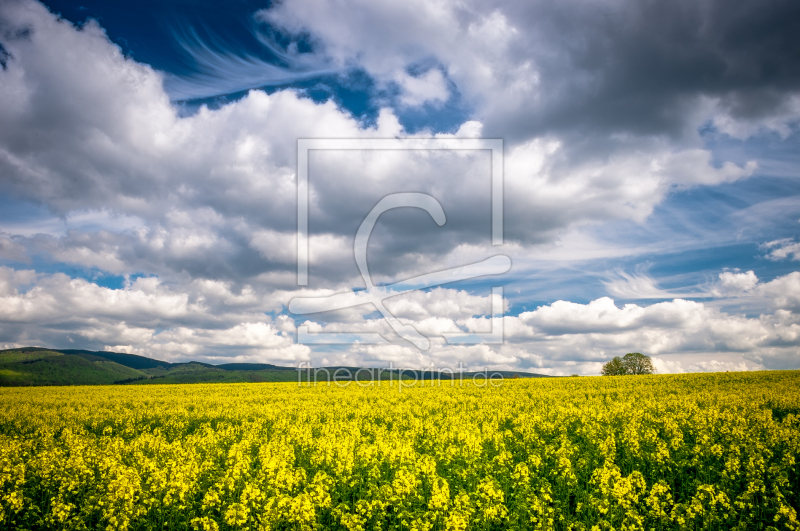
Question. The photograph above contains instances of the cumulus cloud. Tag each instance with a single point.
(736, 283)
(676, 367)
(684, 329)
(209, 188)
(428, 87)
(782, 249)
(214, 321)
(12, 250)
(206, 317)
(628, 184)
(246, 342)
(783, 292)
(530, 67)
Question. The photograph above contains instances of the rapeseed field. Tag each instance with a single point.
(709, 451)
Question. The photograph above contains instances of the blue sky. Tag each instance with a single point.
(652, 178)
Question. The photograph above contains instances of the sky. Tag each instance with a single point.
(650, 167)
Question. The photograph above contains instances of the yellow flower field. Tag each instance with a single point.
(708, 451)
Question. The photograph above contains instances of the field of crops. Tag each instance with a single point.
(715, 451)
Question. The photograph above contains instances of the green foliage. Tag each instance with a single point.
(48, 368)
(614, 368)
(13, 356)
(636, 363)
(633, 363)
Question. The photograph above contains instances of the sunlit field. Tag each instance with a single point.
(714, 451)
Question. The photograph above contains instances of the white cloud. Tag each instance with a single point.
(667, 367)
(147, 317)
(783, 292)
(730, 282)
(626, 184)
(212, 195)
(428, 87)
(679, 328)
(211, 320)
(642, 286)
(664, 366)
(782, 249)
(720, 366)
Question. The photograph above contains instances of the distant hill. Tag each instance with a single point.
(52, 367)
(41, 366)
(129, 360)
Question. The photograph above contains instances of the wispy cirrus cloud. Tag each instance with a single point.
(222, 68)
(640, 285)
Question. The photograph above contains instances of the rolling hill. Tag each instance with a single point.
(42, 366)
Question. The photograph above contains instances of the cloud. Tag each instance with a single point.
(642, 286)
(217, 321)
(682, 334)
(623, 67)
(734, 283)
(209, 319)
(667, 366)
(783, 292)
(428, 87)
(782, 249)
(676, 367)
(219, 70)
(561, 192)
(12, 250)
(206, 190)
(246, 342)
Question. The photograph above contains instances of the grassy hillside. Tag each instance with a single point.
(40, 366)
(216, 375)
(55, 368)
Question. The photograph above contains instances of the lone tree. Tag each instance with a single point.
(632, 363)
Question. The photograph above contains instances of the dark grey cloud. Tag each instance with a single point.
(638, 67)
(580, 69)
